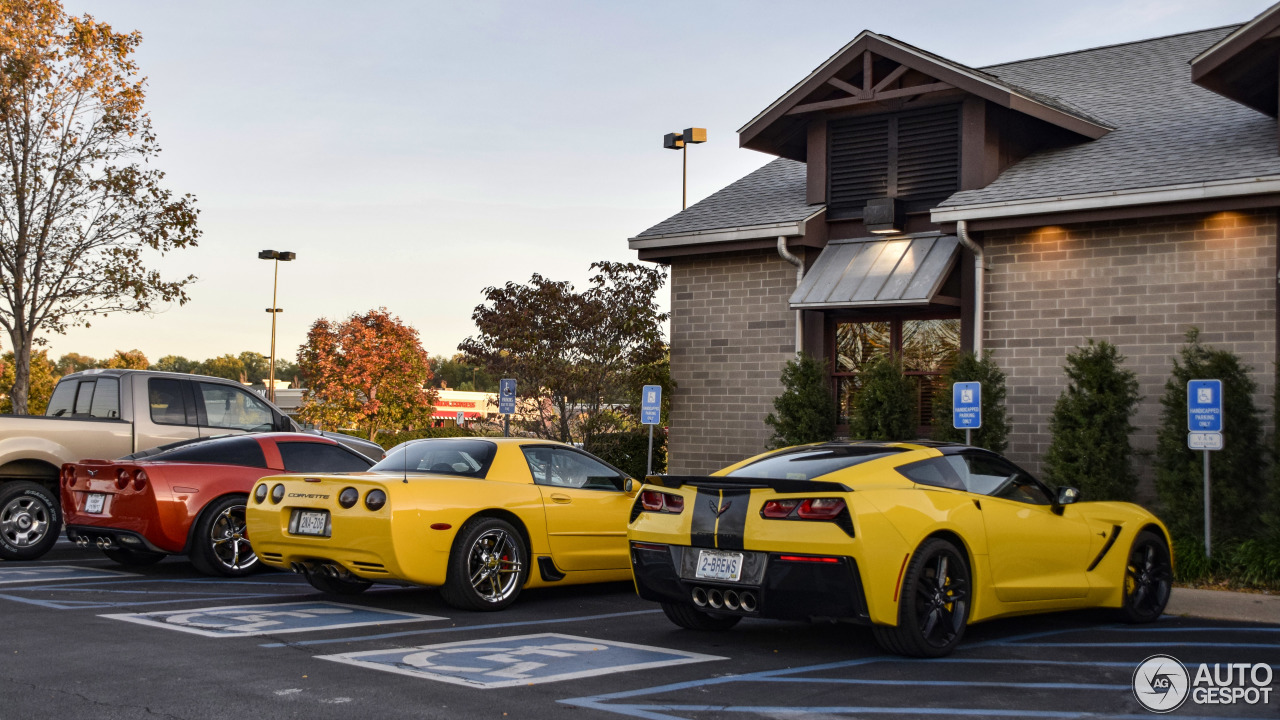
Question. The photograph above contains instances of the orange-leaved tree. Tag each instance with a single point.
(369, 370)
(81, 204)
(127, 359)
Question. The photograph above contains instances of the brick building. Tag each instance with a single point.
(920, 207)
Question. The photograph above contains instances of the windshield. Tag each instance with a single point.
(807, 463)
(443, 456)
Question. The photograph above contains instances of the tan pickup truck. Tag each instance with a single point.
(107, 414)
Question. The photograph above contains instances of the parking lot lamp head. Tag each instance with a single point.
(277, 256)
(680, 141)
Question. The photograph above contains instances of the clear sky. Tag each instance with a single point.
(413, 153)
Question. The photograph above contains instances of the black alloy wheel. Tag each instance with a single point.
(30, 520)
(1148, 579)
(934, 603)
(220, 545)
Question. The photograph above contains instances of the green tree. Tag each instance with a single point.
(75, 362)
(127, 359)
(224, 366)
(1091, 424)
(44, 376)
(83, 203)
(883, 407)
(458, 374)
(256, 367)
(177, 364)
(994, 433)
(1239, 484)
(287, 370)
(805, 412)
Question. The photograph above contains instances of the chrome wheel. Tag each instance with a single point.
(24, 521)
(230, 540)
(494, 565)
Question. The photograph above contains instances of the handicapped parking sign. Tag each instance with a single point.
(966, 405)
(651, 405)
(1204, 406)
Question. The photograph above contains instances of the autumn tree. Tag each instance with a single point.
(127, 359)
(81, 204)
(369, 370)
(256, 366)
(572, 352)
(44, 376)
(75, 362)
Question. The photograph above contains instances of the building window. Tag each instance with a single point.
(927, 347)
(913, 156)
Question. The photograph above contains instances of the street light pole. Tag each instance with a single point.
(681, 141)
(276, 256)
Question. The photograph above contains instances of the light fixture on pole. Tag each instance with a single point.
(680, 141)
(277, 256)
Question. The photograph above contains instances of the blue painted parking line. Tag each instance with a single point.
(48, 573)
(460, 628)
(520, 660)
(249, 620)
(133, 591)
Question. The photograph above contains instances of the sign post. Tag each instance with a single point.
(506, 403)
(650, 414)
(1204, 432)
(966, 408)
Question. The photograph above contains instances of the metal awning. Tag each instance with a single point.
(856, 273)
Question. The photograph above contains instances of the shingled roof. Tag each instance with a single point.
(1167, 132)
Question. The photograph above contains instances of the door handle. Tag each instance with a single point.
(560, 498)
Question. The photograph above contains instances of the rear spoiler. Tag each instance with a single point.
(737, 483)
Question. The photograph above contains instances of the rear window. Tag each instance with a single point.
(466, 458)
(242, 451)
(807, 463)
(320, 457)
(97, 398)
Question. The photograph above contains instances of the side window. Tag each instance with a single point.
(64, 398)
(560, 467)
(988, 475)
(106, 399)
(233, 408)
(165, 398)
(320, 457)
(936, 472)
(84, 398)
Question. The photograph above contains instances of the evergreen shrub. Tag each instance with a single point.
(883, 407)
(805, 412)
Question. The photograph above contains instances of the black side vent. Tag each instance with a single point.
(929, 153)
(858, 158)
(635, 510)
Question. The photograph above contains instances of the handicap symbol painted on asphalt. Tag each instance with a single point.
(521, 660)
(246, 620)
(48, 573)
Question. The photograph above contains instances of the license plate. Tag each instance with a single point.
(716, 565)
(94, 503)
(312, 523)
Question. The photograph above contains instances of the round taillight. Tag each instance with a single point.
(375, 499)
(277, 493)
(260, 493)
(139, 479)
(69, 475)
(348, 497)
(122, 478)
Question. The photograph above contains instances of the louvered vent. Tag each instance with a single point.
(913, 156)
(859, 161)
(929, 153)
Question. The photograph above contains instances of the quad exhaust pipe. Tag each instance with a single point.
(745, 601)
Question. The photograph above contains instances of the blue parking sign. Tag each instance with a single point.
(651, 405)
(1204, 406)
(507, 396)
(966, 405)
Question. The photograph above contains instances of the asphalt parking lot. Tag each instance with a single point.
(85, 638)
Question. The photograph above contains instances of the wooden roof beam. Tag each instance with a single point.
(883, 95)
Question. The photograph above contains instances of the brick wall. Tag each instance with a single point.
(1138, 285)
(731, 333)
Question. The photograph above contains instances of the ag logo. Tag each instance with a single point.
(1161, 683)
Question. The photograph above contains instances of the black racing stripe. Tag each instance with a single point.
(702, 532)
(733, 519)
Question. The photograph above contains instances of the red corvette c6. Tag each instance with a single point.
(188, 499)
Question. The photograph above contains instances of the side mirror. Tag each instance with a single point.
(631, 487)
(1068, 495)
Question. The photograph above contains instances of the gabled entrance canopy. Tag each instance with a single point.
(877, 73)
(907, 270)
(1245, 65)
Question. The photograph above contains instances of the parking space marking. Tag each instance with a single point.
(48, 573)
(132, 587)
(249, 620)
(520, 660)
(460, 628)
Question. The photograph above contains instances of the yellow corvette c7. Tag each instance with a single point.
(915, 539)
(481, 518)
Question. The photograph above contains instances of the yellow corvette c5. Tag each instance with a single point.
(481, 518)
(916, 539)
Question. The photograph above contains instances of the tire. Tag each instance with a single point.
(1148, 579)
(934, 606)
(336, 585)
(30, 520)
(133, 558)
(487, 566)
(220, 545)
(691, 618)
